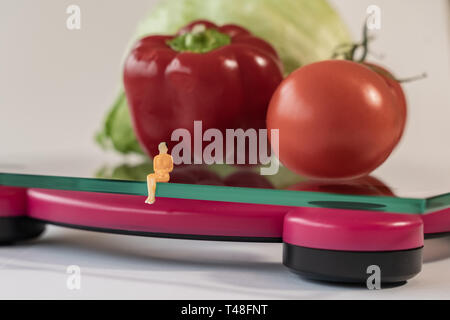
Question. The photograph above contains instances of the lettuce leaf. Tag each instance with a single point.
(117, 130)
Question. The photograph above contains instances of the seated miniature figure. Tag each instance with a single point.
(162, 166)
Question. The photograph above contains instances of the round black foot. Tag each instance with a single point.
(352, 266)
(15, 229)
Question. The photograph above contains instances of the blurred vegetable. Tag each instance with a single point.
(221, 75)
(337, 127)
(302, 31)
(117, 130)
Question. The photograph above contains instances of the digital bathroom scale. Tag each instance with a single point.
(331, 230)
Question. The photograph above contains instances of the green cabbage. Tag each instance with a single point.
(302, 31)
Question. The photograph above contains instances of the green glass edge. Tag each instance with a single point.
(437, 203)
(228, 194)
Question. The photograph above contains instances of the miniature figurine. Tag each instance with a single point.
(162, 166)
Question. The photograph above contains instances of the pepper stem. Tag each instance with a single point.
(199, 40)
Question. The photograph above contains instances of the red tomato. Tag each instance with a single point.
(337, 120)
(396, 90)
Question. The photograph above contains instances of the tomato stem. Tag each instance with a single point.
(413, 78)
(348, 51)
(364, 44)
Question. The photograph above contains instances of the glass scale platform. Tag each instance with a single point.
(227, 184)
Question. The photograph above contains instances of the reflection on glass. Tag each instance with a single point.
(232, 176)
(367, 186)
(219, 175)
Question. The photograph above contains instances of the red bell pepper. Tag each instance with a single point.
(223, 76)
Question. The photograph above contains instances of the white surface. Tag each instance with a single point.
(48, 73)
(124, 267)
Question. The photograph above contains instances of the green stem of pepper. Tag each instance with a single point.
(199, 40)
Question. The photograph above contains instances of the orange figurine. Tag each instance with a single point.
(162, 166)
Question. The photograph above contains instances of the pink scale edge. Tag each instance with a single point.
(13, 202)
(322, 228)
(166, 215)
(352, 230)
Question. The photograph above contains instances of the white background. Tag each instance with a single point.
(56, 81)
